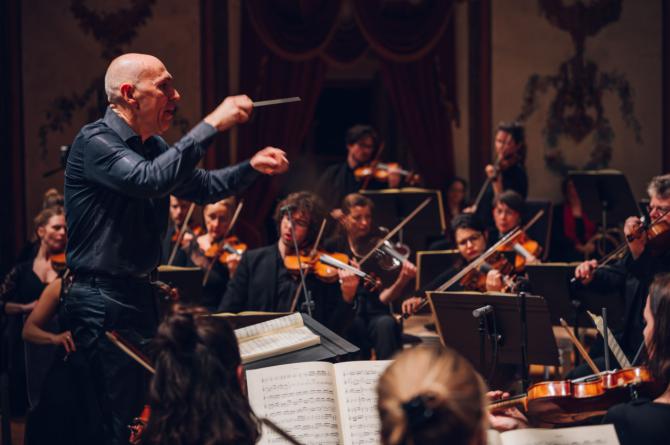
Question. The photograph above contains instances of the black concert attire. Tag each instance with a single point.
(262, 283)
(373, 325)
(217, 283)
(514, 178)
(116, 199)
(632, 278)
(567, 231)
(20, 286)
(640, 422)
(181, 257)
(337, 181)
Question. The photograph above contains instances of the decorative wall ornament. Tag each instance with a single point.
(576, 109)
(112, 30)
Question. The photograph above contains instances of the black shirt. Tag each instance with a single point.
(641, 422)
(513, 178)
(337, 181)
(117, 193)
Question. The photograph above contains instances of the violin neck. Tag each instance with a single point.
(401, 171)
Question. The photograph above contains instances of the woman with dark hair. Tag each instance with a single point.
(197, 394)
(572, 237)
(644, 421)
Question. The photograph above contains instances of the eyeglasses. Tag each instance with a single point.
(471, 239)
(659, 209)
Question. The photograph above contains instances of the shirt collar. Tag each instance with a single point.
(120, 126)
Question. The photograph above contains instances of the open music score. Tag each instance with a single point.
(579, 435)
(274, 337)
(318, 402)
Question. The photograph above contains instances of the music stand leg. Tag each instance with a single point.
(525, 380)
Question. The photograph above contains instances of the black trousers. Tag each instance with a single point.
(375, 330)
(94, 305)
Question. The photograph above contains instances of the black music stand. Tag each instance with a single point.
(392, 205)
(552, 281)
(187, 280)
(606, 197)
(459, 329)
(431, 263)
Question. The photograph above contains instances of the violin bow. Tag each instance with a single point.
(129, 349)
(395, 230)
(296, 295)
(366, 181)
(611, 341)
(582, 351)
(184, 225)
(236, 215)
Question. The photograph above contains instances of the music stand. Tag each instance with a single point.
(606, 196)
(187, 280)
(458, 328)
(552, 281)
(392, 205)
(431, 263)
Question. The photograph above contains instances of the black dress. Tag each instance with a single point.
(641, 422)
(21, 286)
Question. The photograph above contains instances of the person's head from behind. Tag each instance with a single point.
(469, 235)
(140, 89)
(508, 209)
(196, 395)
(657, 328)
(431, 395)
(362, 141)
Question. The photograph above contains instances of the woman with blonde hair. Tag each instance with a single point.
(431, 395)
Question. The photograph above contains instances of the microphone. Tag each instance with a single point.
(480, 312)
(287, 209)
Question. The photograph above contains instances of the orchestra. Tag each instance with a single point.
(133, 202)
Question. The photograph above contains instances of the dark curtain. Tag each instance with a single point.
(12, 223)
(264, 75)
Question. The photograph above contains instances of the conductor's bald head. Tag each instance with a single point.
(139, 89)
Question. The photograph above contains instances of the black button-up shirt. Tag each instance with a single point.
(117, 193)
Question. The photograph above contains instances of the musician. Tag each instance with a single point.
(572, 232)
(18, 296)
(454, 202)
(471, 239)
(338, 180)
(633, 274)
(178, 211)
(431, 395)
(645, 421)
(217, 218)
(263, 283)
(197, 394)
(118, 177)
(373, 326)
(509, 172)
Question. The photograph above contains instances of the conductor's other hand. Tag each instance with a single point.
(584, 272)
(270, 161)
(233, 110)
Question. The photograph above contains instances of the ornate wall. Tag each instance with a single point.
(67, 46)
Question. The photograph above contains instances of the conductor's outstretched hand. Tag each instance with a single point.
(270, 161)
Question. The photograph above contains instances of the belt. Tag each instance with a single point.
(101, 276)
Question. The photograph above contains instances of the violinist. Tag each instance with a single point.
(373, 325)
(508, 208)
(18, 296)
(632, 274)
(508, 172)
(263, 283)
(178, 210)
(471, 239)
(339, 180)
(217, 218)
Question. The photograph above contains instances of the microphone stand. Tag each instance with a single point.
(308, 298)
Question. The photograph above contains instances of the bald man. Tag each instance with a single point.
(118, 179)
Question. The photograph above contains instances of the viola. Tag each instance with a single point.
(222, 250)
(566, 402)
(381, 171)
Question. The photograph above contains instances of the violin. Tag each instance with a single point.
(381, 171)
(222, 250)
(475, 279)
(566, 402)
(658, 234)
(58, 262)
(325, 267)
(196, 231)
(526, 248)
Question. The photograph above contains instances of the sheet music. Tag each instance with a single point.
(277, 343)
(300, 398)
(579, 435)
(357, 400)
(277, 324)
